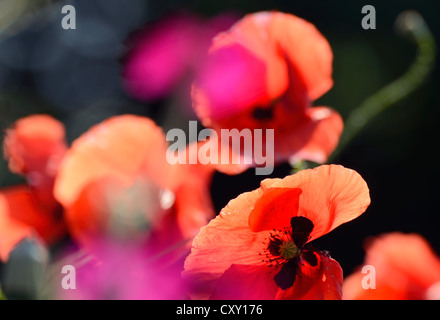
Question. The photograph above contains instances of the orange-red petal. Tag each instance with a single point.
(315, 139)
(405, 267)
(246, 282)
(225, 241)
(123, 147)
(194, 207)
(331, 195)
(256, 72)
(250, 282)
(253, 32)
(20, 216)
(307, 49)
(325, 283)
(274, 209)
(35, 145)
(108, 208)
(122, 162)
(352, 289)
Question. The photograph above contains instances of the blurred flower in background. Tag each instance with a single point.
(115, 182)
(115, 190)
(264, 73)
(406, 268)
(165, 56)
(121, 196)
(34, 147)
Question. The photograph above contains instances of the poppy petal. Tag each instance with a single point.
(323, 283)
(309, 256)
(405, 268)
(11, 232)
(343, 196)
(314, 139)
(254, 66)
(390, 253)
(190, 187)
(274, 209)
(120, 147)
(352, 289)
(312, 59)
(35, 145)
(193, 205)
(20, 216)
(108, 208)
(245, 282)
(226, 240)
(243, 79)
(253, 33)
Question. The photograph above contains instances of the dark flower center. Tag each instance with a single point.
(265, 113)
(288, 248)
(261, 113)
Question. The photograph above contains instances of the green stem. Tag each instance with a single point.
(411, 24)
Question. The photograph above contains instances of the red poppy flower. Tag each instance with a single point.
(263, 73)
(405, 268)
(115, 182)
(259, 246)
(34, 146)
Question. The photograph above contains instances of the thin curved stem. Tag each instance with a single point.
(410, 24)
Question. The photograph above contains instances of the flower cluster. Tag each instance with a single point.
(145, 228)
